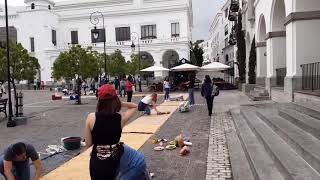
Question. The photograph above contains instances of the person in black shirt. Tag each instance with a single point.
(110, 159)
(206, 91)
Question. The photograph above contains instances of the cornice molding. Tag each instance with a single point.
(126, 13)
(61, 6)
(302, 16)
(48, 1)
(275, 34)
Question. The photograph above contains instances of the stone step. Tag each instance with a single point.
(303, 121)
(288, 162)
(260, 162)
(306, 145)
(241, 169)
(310, 109)
(254, 96)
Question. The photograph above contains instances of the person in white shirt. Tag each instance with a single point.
(147, 102)
(166, 86)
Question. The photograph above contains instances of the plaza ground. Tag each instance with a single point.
(49, 121)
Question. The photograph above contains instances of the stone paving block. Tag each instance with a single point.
(218, 155)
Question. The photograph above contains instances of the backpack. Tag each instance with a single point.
(215, 90)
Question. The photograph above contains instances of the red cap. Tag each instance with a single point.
(107, 91)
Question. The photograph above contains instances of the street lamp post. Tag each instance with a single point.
(10, 122)
(133, 46)
(99, 35)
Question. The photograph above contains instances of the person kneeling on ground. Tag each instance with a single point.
(14, 163)
(111, 159)
(147, 102)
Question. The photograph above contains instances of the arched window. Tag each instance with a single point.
(32, 5)
(49, 7)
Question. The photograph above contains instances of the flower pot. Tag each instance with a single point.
(72, 143)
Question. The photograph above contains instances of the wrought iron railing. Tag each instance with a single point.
(311, 76)
(280, 75)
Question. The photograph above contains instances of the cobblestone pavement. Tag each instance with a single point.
(218, 162)
(168, 164)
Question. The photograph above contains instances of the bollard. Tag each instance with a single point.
(20, 104)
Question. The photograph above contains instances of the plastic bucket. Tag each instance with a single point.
(71, 143)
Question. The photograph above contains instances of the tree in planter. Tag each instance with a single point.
(252, 63)
(241, 52)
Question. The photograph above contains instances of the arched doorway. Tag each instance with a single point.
(261, 52)
(170, 58)
(146, 60)
(277, 65)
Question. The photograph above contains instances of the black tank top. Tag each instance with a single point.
(107, 129)
(105, 159)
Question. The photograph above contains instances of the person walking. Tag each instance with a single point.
(139, 82)
(206, 92)
(116, 83)
(84, 86)
(123, 87)
(14, 163)
(110, 158)
(190, 86)
(166, 85)
(129, 88)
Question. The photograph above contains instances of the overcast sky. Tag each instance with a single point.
(203, 14)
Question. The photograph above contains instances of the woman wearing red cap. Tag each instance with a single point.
(109, 157)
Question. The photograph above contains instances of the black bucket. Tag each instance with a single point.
(72, 143)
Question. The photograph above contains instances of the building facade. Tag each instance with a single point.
(286, 33)
(46, 28)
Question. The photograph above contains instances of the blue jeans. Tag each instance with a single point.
(132, 165)
(21, 170)
(144, 107)
(166, 95)
(191, 96)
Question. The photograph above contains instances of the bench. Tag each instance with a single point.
(3, 106)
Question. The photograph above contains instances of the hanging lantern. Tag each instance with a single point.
(232, 16)
(234, 7)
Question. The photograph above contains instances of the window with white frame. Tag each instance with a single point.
(149, 32)
(175, 30)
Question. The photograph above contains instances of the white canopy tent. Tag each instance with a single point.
(186, 67)
(154, 68)
(215, 66)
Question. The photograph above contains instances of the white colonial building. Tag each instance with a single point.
(46, 28)
(287, 41)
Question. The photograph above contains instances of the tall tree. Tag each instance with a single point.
(117, 63)
(252, 62)
(77, 60)
(241, 52)
(23, 66)
(196, 54)
(133, 65)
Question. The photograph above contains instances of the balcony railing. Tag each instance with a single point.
(280, 75)
(311, 76)
(125, 43)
